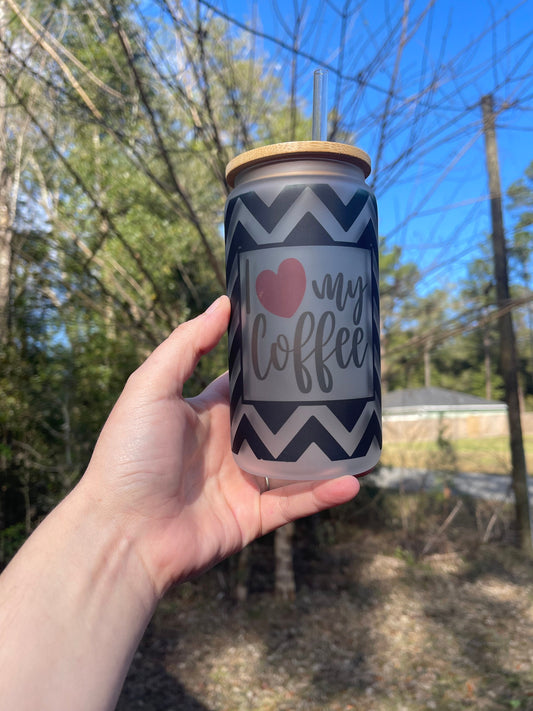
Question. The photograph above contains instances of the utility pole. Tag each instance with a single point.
(508, 356)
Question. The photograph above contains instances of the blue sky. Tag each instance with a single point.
(434, 203)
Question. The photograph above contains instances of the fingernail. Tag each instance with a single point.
(215, 305)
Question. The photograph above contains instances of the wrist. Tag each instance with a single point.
(79, 592)
(114, 563)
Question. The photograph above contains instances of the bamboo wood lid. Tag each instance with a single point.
(298, 150)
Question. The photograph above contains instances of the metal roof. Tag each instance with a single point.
(413, 399)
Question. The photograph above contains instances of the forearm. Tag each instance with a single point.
(73, 606)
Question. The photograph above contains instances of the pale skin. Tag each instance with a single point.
(161, 501)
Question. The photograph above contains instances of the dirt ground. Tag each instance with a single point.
(375, 625)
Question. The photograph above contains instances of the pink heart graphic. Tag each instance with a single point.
(282, 293)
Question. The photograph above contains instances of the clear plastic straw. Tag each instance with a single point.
(320, 101)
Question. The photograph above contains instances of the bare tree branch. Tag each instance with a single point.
(190, 211)
(62, 65)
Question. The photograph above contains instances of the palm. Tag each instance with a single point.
(166, 467)
(179, 480)
(208, 507)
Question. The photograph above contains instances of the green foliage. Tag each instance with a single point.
(397, 295)
(118, 168)
(11, 538)
(521, 256)
(117, 235)
(520, 196)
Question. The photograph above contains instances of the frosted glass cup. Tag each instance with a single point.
(302, 275)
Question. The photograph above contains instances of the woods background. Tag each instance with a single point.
(117, 120)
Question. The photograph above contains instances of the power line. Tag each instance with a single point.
(358, 79)
(440, 333)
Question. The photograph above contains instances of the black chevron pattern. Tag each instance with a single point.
(301, 215)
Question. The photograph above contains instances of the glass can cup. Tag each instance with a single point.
(302, 274)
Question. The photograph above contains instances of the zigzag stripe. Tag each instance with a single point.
(375, 265)
(232, 331)
(234, 350)
(373, 431)
(375, 309)
(343, 212)
(234, 324)
(232, 278)
(375, 274)
(276, 443)
(312, 434)
(246, 432)
(270, 210)
(234, 375)
(307, 202)
(377, 357)
(375, 340)
(269, 213)
(242, 217)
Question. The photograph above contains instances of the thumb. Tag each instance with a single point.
(173, 362)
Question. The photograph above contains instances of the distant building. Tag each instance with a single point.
(424, 413)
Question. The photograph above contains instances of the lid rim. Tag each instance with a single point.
(304, 149)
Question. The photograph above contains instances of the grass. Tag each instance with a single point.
(489, 455)
(375, 626)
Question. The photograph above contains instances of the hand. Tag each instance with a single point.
(164, 471)
(161, 500)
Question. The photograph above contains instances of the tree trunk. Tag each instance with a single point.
(427, 365)
(285, 584)
(243, 574)
(487, 362)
